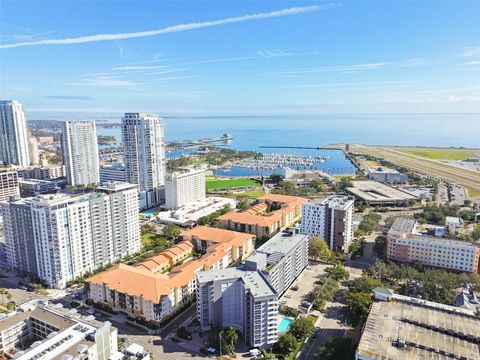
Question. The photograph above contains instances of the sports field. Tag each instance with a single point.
(230, 183)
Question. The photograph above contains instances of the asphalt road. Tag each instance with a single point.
(178, 321)
(331, 324)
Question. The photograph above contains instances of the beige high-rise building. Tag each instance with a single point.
(144, 156)
(80, 152)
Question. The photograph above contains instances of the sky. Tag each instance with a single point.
(205, 58)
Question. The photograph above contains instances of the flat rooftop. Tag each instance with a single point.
(429, 332)
(443, 241)
(402, 225)
(375, 192)
(336, 201)
(282, 243)
(189, 214)
(252, 279)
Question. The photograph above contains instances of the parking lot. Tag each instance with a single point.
(305, 283)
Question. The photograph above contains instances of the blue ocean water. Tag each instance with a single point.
(251, 132)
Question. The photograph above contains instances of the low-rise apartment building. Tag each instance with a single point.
(156, 287)
(33, 187)
(282, 259)
(239, 298)
(330, 219)
(272, 214)
(49, 172)
(405, 245)
(39, 331)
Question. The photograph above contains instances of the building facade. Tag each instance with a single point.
(239, 298)
(385, 175)
(331, 220)
(282, 259)
(34, 151)
(144, 156)
(270, 215)
(80, 152)
(157, 287)
(40, 331)
(49, 172)
(112, 173)
(184, 187)
(8, 185)
(71, 236)
(406, 246)
(33, 187)
(13, 134)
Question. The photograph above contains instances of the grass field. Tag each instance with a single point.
(230, 183)
(440, 154)
(254, 194)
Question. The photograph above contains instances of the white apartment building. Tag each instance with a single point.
(330, 219)
(239, 298)
(70, 236)
(144, 156)
(80, 152)
(282, 259)
(184, 187)
(8, 185)
(13, 134)
(40, 331)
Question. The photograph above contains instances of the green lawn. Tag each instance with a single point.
(440, 154)
(230, 183)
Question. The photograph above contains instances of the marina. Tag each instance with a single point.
(275, 161)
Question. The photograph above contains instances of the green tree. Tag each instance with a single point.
(230, 336)
(171, 231)
(285, 344)
(275, 178)
(302, 328)
(380, 246)
(243, 205)
(476, 233)
(337, 349)
(338, 272)
(345, 183)
(318, 250)
(358, 303)
(363, 284)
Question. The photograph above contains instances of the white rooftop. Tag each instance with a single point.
(252, 279)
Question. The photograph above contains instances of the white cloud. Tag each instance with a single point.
(172, 29)
(273, 53)
(471, 63)
(471, 51)
(146, 67)
(349, 69)
(207, 61)
(108, 81)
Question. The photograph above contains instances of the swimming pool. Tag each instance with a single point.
(148, 212)
(284, 324)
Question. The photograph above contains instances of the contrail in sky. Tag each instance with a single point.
(171, 29)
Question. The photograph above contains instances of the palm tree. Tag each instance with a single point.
(231, 336)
